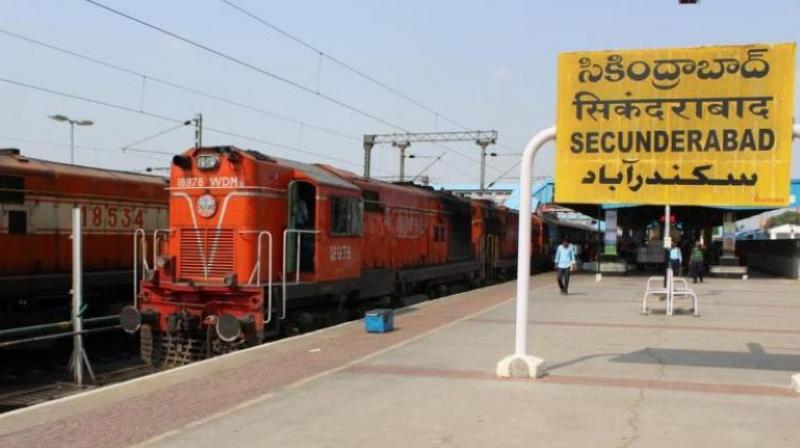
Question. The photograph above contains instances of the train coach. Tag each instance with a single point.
(259, 246)
(36, 202)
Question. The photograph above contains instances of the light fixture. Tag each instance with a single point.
(207, 161)
(206, 206)
(65, 119)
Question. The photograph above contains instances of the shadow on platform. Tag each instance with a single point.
(756, 358)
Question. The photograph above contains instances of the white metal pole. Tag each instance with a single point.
(796, 377)
(77, 296)
(524, 243)
(520, 364)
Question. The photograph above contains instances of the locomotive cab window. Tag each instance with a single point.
(17, 222)
(372, 201)
(12, 190)
(346, 216)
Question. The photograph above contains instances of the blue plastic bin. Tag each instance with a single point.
(379, 321)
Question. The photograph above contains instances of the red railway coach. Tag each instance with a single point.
(36, 202)
(494, 237)
(258, 244)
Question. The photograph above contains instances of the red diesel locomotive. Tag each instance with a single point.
(258, 245)
(36, 201)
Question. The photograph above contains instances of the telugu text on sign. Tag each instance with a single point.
(693, 126)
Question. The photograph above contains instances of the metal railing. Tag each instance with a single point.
(139, 235)
(256, 274)
(32, 333)
(155, 244)
(286, 233)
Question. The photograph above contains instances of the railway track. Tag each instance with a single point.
(32, 376)
(40, 394)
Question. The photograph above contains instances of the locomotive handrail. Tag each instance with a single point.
(297, 268)
(136, 239)
(256, 275)
(155, 244)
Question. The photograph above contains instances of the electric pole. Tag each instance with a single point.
(198, 131)
(403, 141)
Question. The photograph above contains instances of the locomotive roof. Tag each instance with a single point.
(315, 172)
(407, 187)
(11, 158)
(318, 174)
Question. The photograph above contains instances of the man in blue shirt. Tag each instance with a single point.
(564, 261)
(675, 259)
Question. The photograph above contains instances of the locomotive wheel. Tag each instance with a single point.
(151, 346)
(291, 327)
(252, 338)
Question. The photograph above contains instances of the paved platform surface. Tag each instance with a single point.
(617, 379)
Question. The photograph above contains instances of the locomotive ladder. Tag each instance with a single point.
(286, 233)
(255, 275)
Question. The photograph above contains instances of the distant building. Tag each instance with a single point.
(784, 232)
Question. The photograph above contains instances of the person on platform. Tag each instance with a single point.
(565, 262)
(696, 259)
(675, 259)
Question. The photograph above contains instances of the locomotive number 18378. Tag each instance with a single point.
(340, 253)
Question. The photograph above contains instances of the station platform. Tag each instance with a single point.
(616, 378)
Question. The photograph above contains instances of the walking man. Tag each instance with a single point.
(675, 259)
(697, 262)
(564, 261)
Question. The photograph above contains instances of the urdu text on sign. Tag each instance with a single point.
(693, 126)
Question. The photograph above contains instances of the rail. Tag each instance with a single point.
(286, 234)
(256, 274)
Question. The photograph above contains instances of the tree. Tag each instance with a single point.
(787, 217)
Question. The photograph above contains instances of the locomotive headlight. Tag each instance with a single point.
(206, 206)
(207, 161)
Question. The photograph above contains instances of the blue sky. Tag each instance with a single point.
(488, 65)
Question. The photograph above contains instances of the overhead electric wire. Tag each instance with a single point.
(263, 71)
(358, 72)
(175, 85)
(427, 167)
(339, 62)
(84, 147)
(501, 176)
(278, 145)
(238, 61)
(165, 118)
(158, 134)
(89, 100)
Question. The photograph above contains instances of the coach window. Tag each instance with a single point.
(346, 216)
(17, 222)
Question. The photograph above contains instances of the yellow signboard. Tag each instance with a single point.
(693, 126)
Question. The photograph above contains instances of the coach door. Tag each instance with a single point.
(302, 222)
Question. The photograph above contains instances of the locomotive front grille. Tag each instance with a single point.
(206, 253)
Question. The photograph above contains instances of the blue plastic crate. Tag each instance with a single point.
(379, 321)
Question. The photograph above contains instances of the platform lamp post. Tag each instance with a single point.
(72, 124)
(520, 364)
